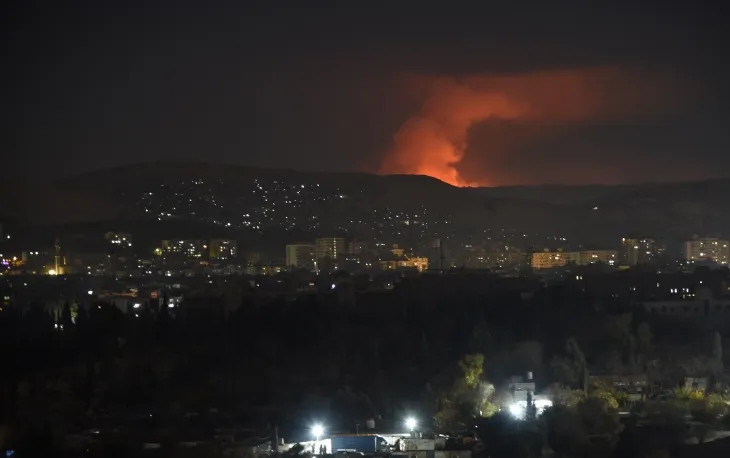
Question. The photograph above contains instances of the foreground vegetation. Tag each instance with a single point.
(389, 355)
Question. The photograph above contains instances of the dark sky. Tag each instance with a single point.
(323, 87)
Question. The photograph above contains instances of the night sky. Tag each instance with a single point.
(507, 93)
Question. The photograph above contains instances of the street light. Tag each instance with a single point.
(517, 411)
(411, 423)
(317, 430)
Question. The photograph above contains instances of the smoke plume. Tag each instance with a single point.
(433, 142)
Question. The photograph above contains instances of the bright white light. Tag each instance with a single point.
(517, 410)
(411, 423)
(91, 292)
(542, 404)
(317, 430)
(333, 286)
(136, 306)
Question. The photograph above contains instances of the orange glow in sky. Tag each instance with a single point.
(434, 141)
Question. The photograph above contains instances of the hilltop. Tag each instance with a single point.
(366, 205)
(366, 193)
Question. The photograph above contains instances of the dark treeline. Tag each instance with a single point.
(317, 357)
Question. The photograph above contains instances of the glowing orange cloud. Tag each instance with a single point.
(434, 141)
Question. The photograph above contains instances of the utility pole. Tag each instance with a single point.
(276, 440)
(530, 411)
(441, 255)
(58, 255)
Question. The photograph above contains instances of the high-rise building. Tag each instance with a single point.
(329, 247)
(638, 251)
(223, 249)
(300, 255)
(707, 249)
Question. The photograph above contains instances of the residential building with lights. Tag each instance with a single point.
(707, 249)
(329, 247)
(418, 263)
(189, 248)
(300, 255)
(608, 257)
(636, 251)
(554, 259)
(222, 249)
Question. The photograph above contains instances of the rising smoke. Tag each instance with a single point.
(433, 142)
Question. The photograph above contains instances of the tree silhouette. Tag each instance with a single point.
(66, 320)
(717, 363)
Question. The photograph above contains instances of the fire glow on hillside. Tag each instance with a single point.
(434, 141)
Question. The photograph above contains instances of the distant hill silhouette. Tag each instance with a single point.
(674, 210)
(117, 180)
(379, 191)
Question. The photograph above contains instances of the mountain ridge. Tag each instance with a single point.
(338, 200)
(549, 193)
